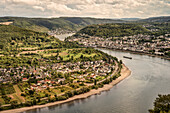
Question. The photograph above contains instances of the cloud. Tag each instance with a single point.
(39, 8)
(92, 8)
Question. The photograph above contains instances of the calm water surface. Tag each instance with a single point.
(150, 77)
(63, 36)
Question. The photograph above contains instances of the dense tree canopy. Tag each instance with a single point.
(113, 30)
(161, 104)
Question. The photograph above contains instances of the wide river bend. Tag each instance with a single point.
(150, 77)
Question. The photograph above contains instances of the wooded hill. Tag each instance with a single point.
(22, 47)
(46, 24)
(71, 23)
(156, 19)
(13, 38)
(113, 30)
(125, 29)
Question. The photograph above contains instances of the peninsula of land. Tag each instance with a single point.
(37, 69)
(125, 72)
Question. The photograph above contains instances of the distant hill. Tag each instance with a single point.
(156, 19)
(84, 21)
(70, 23)
(39, 24)
(112, 30)
(12, 38)
(46, 24)
(130, 19)
(8, 32)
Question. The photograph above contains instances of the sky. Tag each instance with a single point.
(85, 8)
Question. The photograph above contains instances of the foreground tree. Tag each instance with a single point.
(161, 104)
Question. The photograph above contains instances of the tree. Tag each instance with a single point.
(161, 104)
(69, 94)
(31, 92)
(49, 99)
(34, 101)
(121, 62)
(81, 56)
(13, 103)
(48, 88)
(95, 81)
(38, 98)
(56, 97)
(72, 58)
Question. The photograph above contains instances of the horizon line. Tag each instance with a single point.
(84, 17)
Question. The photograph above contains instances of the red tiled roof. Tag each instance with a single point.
(24, 79)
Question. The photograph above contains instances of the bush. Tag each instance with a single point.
(114, 77)
(75, 92)
(6, 99)
(7, 89)
(74, 85)
(69, 94)
(28, 103)
(23, 94)
(106, 81)
(46, 95)
(100, 85)
(42, 102)
(62, 97)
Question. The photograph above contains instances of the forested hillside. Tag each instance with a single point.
(46, 24)
(156, 19)
(13, 38)
(89, 21)
(113, 30)
(70, 23)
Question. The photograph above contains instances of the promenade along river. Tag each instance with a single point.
(150, 77)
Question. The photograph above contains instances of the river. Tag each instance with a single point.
(136, 94)
(63, 36)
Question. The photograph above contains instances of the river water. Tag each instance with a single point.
(150, 77)
(63, 36)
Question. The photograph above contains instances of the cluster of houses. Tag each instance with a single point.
(60, 31)
(137, 43)
(43, 84)
(151, 27)
(91, 69)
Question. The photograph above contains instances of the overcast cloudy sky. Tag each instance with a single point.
(85, 8)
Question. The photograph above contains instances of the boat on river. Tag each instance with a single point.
(127, 57)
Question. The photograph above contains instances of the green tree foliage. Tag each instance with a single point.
(12, 38)
(161, 104)
(14, 103)
(46, 24)
(113, 30)
(6, 89)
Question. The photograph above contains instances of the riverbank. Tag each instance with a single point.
(135, 52)
(125, 72)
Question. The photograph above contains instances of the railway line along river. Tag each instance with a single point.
(150, 76)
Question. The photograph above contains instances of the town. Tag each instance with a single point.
(49, 75)
(60, 31)
(79, 72)
(159, 45)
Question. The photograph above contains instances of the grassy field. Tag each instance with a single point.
(17, 95)
(1, 101)
(66, 54)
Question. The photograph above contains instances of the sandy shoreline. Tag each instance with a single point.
(125, 72)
